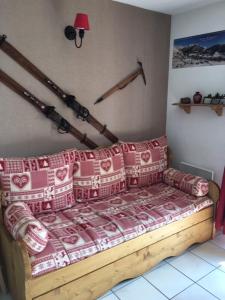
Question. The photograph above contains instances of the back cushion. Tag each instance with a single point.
(44, 183)
(97, 173)
(145, 161)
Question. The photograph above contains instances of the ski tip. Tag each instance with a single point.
(98, 100)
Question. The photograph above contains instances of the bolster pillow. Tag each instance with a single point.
(21, 224)
(187, 183)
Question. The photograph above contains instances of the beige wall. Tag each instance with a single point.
(119, 35)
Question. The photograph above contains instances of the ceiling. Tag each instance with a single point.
(171, 7)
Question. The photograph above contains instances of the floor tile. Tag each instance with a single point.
(162, 263)
(222, 268)
(123, 283)
(192, 266)
(171, 258)
(110, 297)
(194, 246)
(214, 283)
(194, 292)
(219, 240)
(211, 253)
(218, 232)
(103, 296)
(168, 280)
(139, 289)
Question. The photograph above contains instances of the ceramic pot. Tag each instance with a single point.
(185, 100)
(197, 98)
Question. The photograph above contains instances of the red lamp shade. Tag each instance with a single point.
(81, 22)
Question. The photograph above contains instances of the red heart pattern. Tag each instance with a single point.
(70, 239)
(110, 227)
(145, 156)
(48, 219)
(61, 174)
(43, 183)
(20, 180)
(106, 165)
(169, 206)
(143, 217)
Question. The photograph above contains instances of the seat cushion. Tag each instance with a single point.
(97, 173)
(44, 183)
(94, 226)
(145, 161)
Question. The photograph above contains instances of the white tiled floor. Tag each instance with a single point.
(197, 274)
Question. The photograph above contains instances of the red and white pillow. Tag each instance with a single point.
(145, 161)
(44, 183)
(24, 226)
(188, 183)
(97, 173)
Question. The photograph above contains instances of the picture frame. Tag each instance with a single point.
(199, 50)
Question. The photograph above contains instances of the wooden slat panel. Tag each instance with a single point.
(94, 284)
(45, 283)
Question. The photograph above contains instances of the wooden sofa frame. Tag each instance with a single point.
(93, 276)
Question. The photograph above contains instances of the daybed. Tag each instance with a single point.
(82, 221)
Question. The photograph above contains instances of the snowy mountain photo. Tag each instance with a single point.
(200, 50)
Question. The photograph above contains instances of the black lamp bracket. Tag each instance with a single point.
(71, 34)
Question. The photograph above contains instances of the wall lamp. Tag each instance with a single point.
(81, 23)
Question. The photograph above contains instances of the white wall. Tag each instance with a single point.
(198, 137)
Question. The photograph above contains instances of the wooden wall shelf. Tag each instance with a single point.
(218, 108)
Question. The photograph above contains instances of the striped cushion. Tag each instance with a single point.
(188, 183)
(23, 225)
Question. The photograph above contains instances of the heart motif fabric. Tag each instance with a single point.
(20, 181)
(185, 182)
(97, 173)
(143, 216)
(48, 219)
(44, 183)
(145, 156)
(101, 226)
(71, 239)
(106, 165)
(61, 174)
(21, 224)
(110, 227)
(145, 161)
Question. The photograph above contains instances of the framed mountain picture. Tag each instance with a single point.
(199, 50)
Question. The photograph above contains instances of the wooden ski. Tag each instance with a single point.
(49, 111)
(70, 100)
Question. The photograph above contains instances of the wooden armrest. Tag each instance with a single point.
(214, 191)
